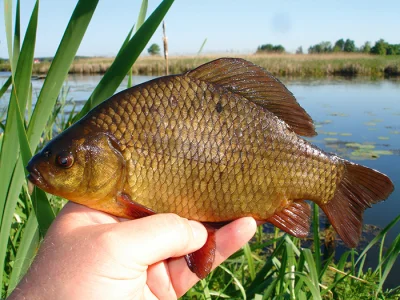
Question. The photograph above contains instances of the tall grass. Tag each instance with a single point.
(316, 65)
(270, 266)
(24, 218)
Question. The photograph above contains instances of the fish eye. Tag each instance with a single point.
(65, 160)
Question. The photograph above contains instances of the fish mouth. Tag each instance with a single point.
(35, 177)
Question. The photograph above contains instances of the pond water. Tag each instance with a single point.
(358, 119)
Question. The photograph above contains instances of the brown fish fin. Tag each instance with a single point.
(133, 209)
(252, 82)
(200, 262)
(216, 225)
(294, 219)
(359, 188)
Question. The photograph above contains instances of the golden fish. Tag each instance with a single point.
(214, 144)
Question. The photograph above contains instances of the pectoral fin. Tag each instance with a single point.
(132, 209)
(201, 261)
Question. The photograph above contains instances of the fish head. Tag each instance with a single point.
(81, 168)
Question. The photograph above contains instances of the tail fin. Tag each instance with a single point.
(359, 188)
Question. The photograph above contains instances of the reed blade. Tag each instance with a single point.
(59, 68)
(125, 59)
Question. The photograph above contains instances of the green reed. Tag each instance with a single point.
(270, 266)
(25, 218)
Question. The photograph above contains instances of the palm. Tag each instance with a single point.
(102, 257)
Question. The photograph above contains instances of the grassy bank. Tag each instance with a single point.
(316, 65)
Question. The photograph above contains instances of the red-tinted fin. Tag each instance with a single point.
(359, 188)
(258, 86)
(294, 219)
(216, 225)
(133, 209)
(201, 261)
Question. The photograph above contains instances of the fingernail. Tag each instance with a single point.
(197, 229)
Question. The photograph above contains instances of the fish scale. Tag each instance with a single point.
(217, 143)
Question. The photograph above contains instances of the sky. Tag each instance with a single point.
(229, 26)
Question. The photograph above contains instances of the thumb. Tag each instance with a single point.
(156, 238)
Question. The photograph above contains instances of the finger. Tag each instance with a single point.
(155, 238)
(230, 238)
(74, 215)
(159, 281)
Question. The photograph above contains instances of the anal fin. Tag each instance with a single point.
(133, 209)
(294, 219)
(200, 262)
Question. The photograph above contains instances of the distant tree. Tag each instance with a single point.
(279, 49)
(366, 48)
(154, 49)
(339, 46)
(349, 46)
(380, 47)
(393, 49)
(265, 48)
(323, 47)
(269, 48)
(299, 50)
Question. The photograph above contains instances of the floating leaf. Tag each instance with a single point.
(330, 139)
(346, 134)
(370, 123)
(360, 146)
(383, 152)
(331, 133)
(383, 137)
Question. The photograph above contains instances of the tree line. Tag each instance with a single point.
(381, 47)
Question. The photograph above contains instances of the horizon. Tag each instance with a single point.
(231, 27)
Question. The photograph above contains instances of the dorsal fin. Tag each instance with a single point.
(258, 86)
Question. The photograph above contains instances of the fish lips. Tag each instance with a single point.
(34, 176)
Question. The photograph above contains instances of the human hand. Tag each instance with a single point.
(89, 254)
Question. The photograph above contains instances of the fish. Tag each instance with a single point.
(214, 144)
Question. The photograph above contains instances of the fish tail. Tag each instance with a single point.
(359, 189)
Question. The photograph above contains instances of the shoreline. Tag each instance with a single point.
(297, 65)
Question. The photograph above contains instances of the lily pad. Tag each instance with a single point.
(383, 137)
(360, 146)
(346, 134)
(330, 139)
(331, 133)
(395, 132)
(370, 123)
(383, 152)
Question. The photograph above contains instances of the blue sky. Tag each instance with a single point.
(229, 26)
